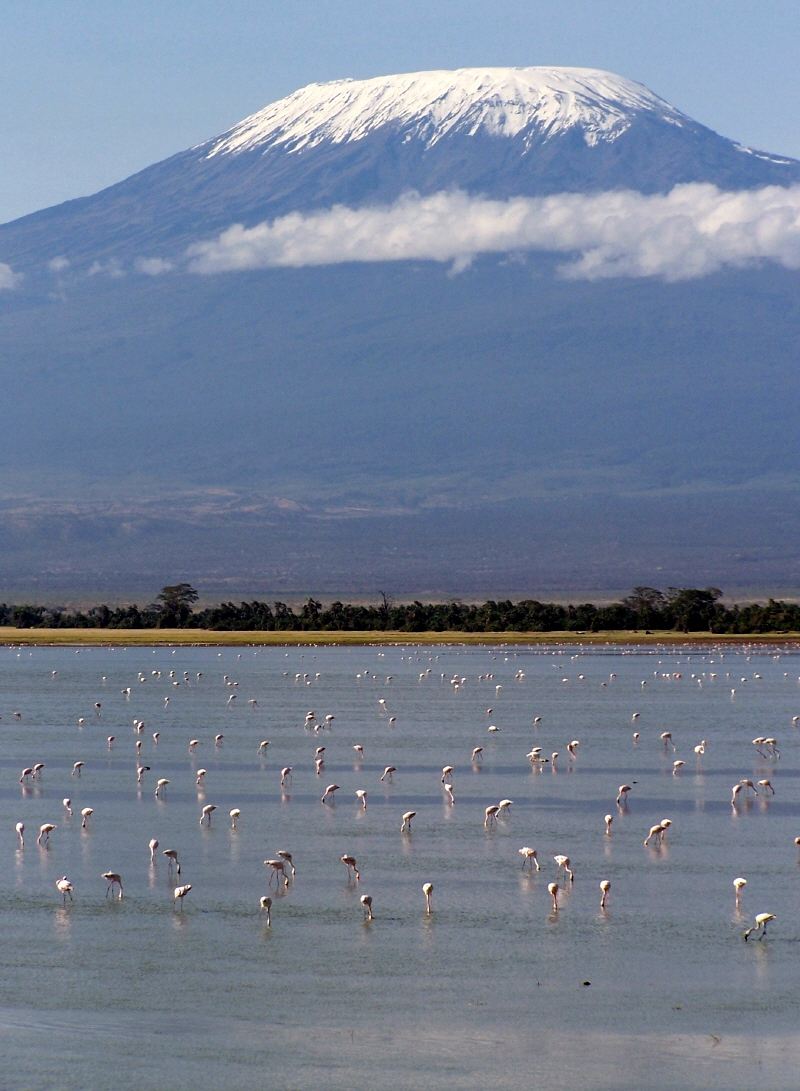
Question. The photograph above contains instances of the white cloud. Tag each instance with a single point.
(58, 265)
(111, 268)
(153, 267)
(690, 232)
(8, 278)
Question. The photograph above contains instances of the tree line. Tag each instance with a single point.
(686, 609)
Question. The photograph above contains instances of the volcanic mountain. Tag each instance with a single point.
(498, 132)
(342, 424)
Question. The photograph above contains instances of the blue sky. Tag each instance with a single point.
(91, 91)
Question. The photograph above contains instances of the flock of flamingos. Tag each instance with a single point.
(282, 868)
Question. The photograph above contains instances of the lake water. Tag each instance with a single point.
(489, 990)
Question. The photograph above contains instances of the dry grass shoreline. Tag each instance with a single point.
(177, 637)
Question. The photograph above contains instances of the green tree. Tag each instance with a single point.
(693, 609)
(175, 604)
(647, 603)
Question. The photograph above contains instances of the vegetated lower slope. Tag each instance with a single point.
(355, 427)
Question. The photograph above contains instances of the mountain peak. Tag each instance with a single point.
(537, 102)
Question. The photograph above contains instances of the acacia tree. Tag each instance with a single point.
(646, 603)
(176, 601)
(692, 608)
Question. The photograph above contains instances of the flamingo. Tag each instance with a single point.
(446, 771)
(263, 746)
(153, 845)
(67, 804)
(172, 856)
(286, 774)
(503, 805)
(234, 816)
(287, 859)
(278, 867)
(765, 784)
(758, 743)
(387, 773)
(362, 796)
(265, 906)
(666, 738)
(160, 786)
(86, 814)
(200, 775)
(20, 828)
(359, 751)
(366, 901)
(552, 890)
(25, 774)
(605, 886)
(350, 862)
(76, 768)
(622, 795)
(762, 920)
(427, 890)
(207, 812)
(329, 791)
(64, 888)
(608, 820)
(44, 833)
(113, 880)
(563, 862)
(490, 816)
(737, 887)
(529, 857)
(477, 754)
(406, 824)
(180, 893)
(449, 789)
(655, 832)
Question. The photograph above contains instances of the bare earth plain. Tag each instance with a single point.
(199, 637)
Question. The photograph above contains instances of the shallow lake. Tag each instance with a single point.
(658, 991)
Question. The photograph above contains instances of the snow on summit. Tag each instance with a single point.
(505, 102)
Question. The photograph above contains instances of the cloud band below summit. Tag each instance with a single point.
(693, 230)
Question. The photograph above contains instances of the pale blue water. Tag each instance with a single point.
(489, 990)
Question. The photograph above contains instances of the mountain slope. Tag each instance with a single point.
(349, 426)
(498, 132)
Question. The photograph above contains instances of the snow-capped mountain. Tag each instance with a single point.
(535, 103)
(352, 426)
(498, 132)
